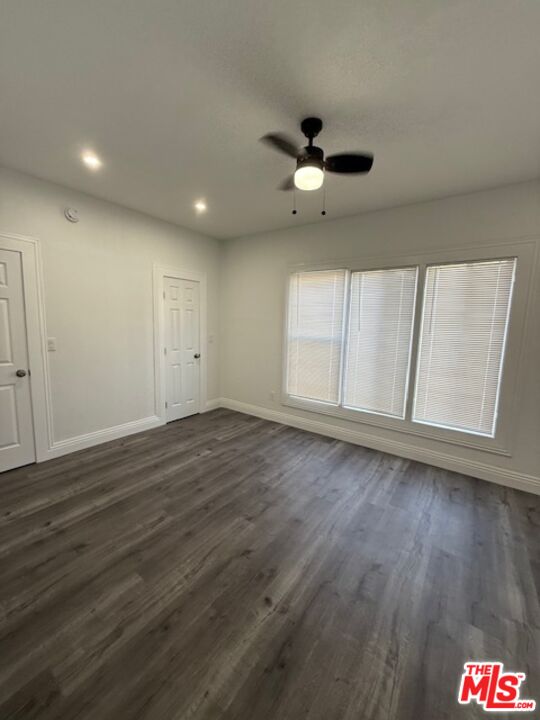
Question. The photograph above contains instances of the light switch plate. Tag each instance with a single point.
(51, 344)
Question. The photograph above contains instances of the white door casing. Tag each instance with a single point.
(17, 445)
(181, 305)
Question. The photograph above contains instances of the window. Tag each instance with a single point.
(379, 340)
(351, 343)
(464, 323)
(315, 334)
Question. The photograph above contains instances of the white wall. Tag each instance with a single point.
(98, 299)
(253, 310)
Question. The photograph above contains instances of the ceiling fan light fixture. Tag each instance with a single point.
(309, 173)
(309, 177)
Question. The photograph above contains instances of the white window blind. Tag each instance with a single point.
(379, 340)
(464, 324)
(315, 334)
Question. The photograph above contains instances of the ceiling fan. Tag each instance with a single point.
(311, 164)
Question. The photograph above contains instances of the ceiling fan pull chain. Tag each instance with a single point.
(294, 201)
(323, 212)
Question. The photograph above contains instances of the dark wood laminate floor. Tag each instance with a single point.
(227, 567)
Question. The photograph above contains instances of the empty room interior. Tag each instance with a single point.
(269, 359)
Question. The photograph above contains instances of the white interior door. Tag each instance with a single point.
(16, 427)
(182, 347)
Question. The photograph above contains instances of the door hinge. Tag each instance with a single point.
(166, 404)
(164, 295)
(165, 351)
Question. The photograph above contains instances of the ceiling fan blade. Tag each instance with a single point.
(281, 143)
(287, 184)
(349, 163)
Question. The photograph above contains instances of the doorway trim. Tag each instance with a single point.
(36, 338)
(159, 274)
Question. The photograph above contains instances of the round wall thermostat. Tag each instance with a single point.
(72, 215)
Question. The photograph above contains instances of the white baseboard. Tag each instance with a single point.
(69, 445)
(79, 442)
(484, 471)
(491, 473)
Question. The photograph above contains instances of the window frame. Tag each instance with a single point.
(344, 321)
(346, 335)
(420, 340)
(502, 442)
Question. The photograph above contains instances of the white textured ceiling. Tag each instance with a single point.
(174, 96)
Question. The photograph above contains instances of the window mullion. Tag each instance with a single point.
(344, 335)
(415, 341)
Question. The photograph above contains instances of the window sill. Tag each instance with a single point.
(429, 432)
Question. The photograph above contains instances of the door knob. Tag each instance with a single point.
(20, 373)
(197, 356)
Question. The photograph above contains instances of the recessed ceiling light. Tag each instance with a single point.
(200, 206)
(91, 160)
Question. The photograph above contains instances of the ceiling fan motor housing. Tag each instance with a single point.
(311, 156)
